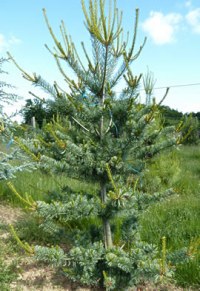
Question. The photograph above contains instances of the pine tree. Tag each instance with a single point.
(7, 168)
(5, 97)
(105, 139)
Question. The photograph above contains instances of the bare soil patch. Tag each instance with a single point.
(9, 214)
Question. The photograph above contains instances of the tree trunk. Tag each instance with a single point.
(106, 224)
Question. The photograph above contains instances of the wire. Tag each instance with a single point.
(180, 85)
(165, 87)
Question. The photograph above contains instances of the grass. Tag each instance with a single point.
(7, 274)
(188, 274)
(8, 268)
(41, 186)
(189, 182)
(178, 218)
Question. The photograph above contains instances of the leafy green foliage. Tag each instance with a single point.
(33, 108)
(45, 111)
(188, 123)
(171, 116)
